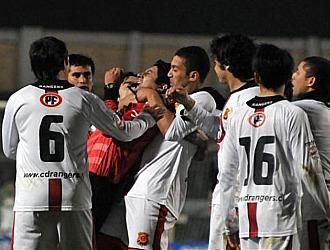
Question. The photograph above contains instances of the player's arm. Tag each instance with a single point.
(196, 112)
(107, 121)
(227, 178)
(183, 125)
(153, 99)
(10, 136)
(112, 80)
(309, 165)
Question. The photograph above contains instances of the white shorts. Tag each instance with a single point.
(217, 239)
(53, 230)
(148, 223)
(268, 243)
(315, 234)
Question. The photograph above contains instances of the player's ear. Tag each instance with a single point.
(257, 78)
(194, 76)
(311, 81)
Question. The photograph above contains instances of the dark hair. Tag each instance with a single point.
(162, 72)
(235, 51)
(47, 57)
(319, 68)
(273, 65)
(81, 60)
(197, 59)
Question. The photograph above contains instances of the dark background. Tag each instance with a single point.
(290, 18)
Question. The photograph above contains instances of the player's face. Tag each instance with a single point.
(221, 74)
(149, 77)
(300, 82)
(178, 74)
(81, 76)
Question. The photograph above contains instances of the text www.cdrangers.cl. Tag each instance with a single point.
(52, 174)
(260, 198)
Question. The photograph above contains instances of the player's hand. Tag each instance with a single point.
(143, 94)
(113, 75)
(180, 95)
(156, 111)
(233, 241)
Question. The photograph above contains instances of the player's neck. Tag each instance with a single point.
(271, 92)
(62, 75)
(234, 83)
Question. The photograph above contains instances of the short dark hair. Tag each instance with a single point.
(47, 57)
(162, 72)
(319, 68)
(197, 59)
(273, 65)
(81, 60)
(235, 51)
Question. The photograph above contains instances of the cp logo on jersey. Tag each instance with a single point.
(257, 119)
(50, 99)
(227, 113)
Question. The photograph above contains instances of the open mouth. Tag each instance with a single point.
(84, 88)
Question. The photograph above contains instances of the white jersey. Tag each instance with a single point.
(164, 167)
(45, 129)
(319, 117)
(269, 145)
(219, 125)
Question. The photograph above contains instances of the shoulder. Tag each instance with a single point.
(292, 111)
(205, 100)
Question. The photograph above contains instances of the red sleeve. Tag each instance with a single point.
(114, 159)
(112, 104)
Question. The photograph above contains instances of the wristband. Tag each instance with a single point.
(110, 85)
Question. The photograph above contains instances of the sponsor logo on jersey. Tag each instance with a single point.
(142, 239)
(257, 119)
(50, 99)
(227, 113)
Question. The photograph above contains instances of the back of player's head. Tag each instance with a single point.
(47, 57)
(235, 51)
(162, 72)
(195, 59)
(81, 60)
(319, 68)
(273, 66)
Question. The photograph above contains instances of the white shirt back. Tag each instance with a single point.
(45, 129)
(270, 146)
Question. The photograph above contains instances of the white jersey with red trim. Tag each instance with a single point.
(269, 145)
(164, 166)
(45, 129)
(319, 117)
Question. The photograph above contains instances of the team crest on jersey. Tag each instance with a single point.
(50, 99)
(142, 239)
(227, 113)
(257, 119)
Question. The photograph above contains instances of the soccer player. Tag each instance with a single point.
(311, 89)
(157, 197)
(233, 65)
(45, 129)
(270, 147)
(113, 163)
(81, 71)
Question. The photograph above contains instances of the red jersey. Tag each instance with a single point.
(111, 158)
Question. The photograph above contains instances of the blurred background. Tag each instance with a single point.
(133, 34)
